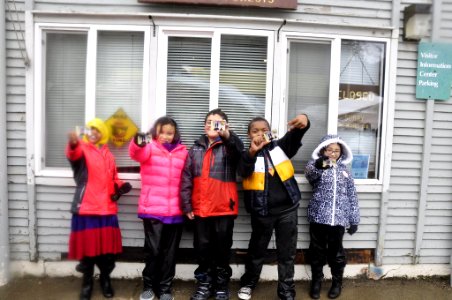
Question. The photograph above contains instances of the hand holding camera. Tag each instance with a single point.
(141, 139)
(325, 163)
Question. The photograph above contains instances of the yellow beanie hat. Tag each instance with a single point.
(103, 129)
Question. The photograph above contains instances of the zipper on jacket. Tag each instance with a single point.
(334, 195)
(169, 185)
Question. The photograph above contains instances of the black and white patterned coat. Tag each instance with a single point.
(334, 200)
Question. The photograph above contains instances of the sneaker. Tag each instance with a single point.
(245, 293)
(166, 297)
(147, 295)
(222, 295)
(203, 292)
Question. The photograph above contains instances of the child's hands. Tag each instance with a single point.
(352, 229)
(319, 163)
(190, 215)
(225, 133)
(257, 143)
(72, 138)
(119, 191)
(300, 122)
(140, 139)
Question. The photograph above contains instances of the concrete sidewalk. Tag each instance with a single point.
(67, 288)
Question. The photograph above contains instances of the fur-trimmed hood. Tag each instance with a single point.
(346, 155)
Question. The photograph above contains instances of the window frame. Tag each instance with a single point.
(333, 103)
(215, 34)
(90, 87)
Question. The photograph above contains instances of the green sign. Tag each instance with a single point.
(434, 71)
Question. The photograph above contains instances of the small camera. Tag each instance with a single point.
(331, 163)
(218, 125)
(80, 131)
(268, 136)
(143, 138)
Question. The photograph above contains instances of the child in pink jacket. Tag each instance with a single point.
(162, 158)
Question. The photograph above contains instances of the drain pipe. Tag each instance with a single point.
(4, 227)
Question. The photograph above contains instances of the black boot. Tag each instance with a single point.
(105, 284)
(106, 264)
(336, 286)
(87, 281)
(316, 283)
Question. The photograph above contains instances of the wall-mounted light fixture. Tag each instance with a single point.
(416, 21)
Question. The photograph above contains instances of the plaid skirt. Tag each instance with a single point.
(93, 236)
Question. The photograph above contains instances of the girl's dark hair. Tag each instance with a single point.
(162, 121)
(257, 119)
(216, 111)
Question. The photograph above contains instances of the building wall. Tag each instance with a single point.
(404, 240)
(16, 130)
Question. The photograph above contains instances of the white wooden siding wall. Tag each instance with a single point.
(445, 31)
(437, 238)
(409, 131)
(15, 90)
(53, 202)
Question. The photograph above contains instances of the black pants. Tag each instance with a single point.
(161, 242)
(285, 226)
(326, 246)
(105, 263)
(212, 243)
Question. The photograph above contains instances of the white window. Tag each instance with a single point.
(93, 71)
(339, 83)
(209, 69)
(88, 72)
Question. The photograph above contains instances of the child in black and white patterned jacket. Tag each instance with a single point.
(332, 209)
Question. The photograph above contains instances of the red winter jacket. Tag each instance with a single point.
(209, 178)
(95, 175)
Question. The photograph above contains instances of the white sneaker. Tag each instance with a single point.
(147, 295)
(245, 293)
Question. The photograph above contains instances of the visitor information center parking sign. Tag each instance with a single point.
(434, 71)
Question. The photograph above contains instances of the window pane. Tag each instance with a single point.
(309, 79)
(65, 65)
(361, 102)
(119, 85)
(188, 84)
(243, 75)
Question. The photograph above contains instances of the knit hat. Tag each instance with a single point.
(346, 155)
(101, 127)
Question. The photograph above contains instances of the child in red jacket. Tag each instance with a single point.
(209, 198)
(95, 236)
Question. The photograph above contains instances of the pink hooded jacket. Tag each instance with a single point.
(161, 173)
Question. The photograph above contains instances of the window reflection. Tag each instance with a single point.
(361, 101)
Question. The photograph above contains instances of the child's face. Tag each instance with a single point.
(257, 129)
(166, 133)
(212, 134)
(333, 151)
(94, 136)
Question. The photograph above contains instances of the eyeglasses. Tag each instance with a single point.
(333, 151)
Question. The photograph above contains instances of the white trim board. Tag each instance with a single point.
(128, 270)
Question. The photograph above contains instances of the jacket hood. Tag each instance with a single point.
(346, 155)
(103, 129)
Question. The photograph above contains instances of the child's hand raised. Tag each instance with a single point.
(257, 143)
(225, 132)
(300, 122)
(72, 138)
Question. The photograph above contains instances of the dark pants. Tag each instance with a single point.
(212, 243)
(326, 246)
(285, 226)
(105, 263)
(161, 242)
